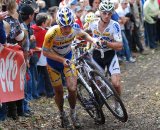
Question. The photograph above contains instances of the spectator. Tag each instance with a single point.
(32, 3)
(50, 3)
(64, 3)
(73, 4)
(151, 12)
(27, 15)
(115, 15)
(82, 4)
(16, 35)
(86, 10)
(122, 20)
(78, 14)
(27, 18)
(89, 18)
(135, 18)
(94, 4)
(49, 21)
(53, 11)
(42, 5)
(44, 84)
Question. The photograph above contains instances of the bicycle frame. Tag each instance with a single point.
(88, 55)
(87, 69)
(81, 59)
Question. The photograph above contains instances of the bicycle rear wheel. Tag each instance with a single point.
(109, 96)
(89, 103)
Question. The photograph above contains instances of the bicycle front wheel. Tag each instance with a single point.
(109, 96)
(89, 103)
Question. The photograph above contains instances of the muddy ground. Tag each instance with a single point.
(141, 96)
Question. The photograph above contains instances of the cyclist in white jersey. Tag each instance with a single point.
(108, 30)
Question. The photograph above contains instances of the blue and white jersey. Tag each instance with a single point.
(111, 33)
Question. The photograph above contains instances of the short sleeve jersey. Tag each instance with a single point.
(54, 40)
(111, 33)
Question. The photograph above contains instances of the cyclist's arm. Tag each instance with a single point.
(115, 45)
(87, 37)
(117, 38)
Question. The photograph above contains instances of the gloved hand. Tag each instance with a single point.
(66, 63)
(87, 47)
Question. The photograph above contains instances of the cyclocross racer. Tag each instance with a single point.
(57, 49)
(109, 31)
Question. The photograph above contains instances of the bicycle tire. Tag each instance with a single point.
(105, 95)
(92, 108)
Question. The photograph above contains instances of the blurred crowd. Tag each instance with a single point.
(25, 22)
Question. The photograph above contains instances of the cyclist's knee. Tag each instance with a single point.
(116, 84)
(71, 83)
(115, 79)
(72, 89)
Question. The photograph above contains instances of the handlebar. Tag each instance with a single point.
(84, 55)
(77, 43)
(101, 50)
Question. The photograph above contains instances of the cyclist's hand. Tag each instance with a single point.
(95, 44)
(100, 43)
(66, 63)
(88, 46)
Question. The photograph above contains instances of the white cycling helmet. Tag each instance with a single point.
(106, 5)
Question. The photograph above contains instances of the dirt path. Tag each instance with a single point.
(141, 94)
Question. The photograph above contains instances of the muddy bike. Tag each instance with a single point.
(100, 87)
(85, 94)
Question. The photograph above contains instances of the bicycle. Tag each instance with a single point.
(85, 94)
(103, 91)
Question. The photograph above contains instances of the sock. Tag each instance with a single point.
(73, 113)
(73, 110)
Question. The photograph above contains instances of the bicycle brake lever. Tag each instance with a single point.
(101, 50)
(68, 62)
